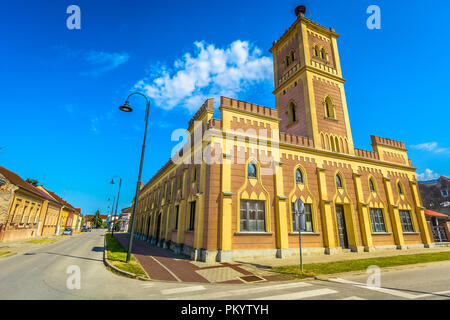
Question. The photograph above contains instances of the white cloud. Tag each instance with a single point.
(427, 175)
(208, 72)
(104, 61)
(431, 147)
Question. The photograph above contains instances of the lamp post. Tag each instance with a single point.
(117, 201)
(126, 108)
(112, 207)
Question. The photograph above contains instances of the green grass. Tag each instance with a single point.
(117, 256)
(41, 241)
(315, 269)
(3, 253)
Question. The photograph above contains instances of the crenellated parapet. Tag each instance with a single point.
(296, 140)
(249, 107)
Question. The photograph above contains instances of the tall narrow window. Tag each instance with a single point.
(372, 185)
(292, 56)
(299, 176)
(316, 51)
(400, 189)
(329, 109)
(339, 182)
(292, 112)
(308, 219)
(323, 54)
(253, 217)
(192, 216)
(405, 218)
(376, 216)
(177, 210)
(252, 170)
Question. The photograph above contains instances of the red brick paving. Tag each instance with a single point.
(157, 261)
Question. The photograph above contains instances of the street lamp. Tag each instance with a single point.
(117, 203)
(126, 108)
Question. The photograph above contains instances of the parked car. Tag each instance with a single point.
(67, 231)
(84, 230)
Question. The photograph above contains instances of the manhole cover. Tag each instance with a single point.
(252, 279)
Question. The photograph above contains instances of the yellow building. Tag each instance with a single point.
(68, 215)
(25, 211)
(230, 192)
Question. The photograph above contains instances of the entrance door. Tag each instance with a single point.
(158, 226)
(342, 230)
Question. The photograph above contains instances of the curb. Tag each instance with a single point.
(124, 273)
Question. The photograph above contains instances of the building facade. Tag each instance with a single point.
(229, 192)
(23, 208)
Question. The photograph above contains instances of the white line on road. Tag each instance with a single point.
(183, 289)
(299, 295)
(353, 298)
(222, 294)
(393, 292)
(168, 270)
(432, 294)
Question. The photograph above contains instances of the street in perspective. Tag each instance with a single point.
(173, 157)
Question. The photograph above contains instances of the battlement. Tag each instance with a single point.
(215, 124)
(367, 154)
(388, 142)
(207, 105)
(296, 140)
(249, 107)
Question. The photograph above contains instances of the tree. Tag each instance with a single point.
(34, 182)
(96, 220)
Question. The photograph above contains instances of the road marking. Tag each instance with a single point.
(353, 298)
(148, 284)
(432, 294)
(299, 295)
(218, 295)
(168, 270)
(393, 292)
(183, 289)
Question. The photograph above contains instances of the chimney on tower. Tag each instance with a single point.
(300, 11)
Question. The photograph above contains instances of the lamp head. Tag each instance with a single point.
(126, 107)
(112, 181)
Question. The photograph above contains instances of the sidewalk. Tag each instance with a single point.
(161, 264)
(23, 246)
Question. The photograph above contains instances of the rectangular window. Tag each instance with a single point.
(308, 219)
(192, 216)
(376, 216)
(405, 218)
(177, 210)
(253, 216)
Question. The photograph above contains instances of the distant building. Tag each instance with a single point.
(124, 219)
(25, 211)
(436, 199)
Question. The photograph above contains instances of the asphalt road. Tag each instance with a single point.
(43, 274)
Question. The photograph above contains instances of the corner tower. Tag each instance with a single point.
(309, 88)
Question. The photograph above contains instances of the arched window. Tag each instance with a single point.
(299, 176)
(329, 108)
(316, 51)
(323, 54)
(251, 170)
(292, 56)
(287, 61)
(400, 189)
(339, 182)
(372, 185)
(292, 112)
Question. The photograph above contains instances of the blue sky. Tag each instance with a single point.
(60, 88)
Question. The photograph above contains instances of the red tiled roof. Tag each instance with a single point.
(18, 181)
(431, 213)
(59, 199)
(127, 210)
